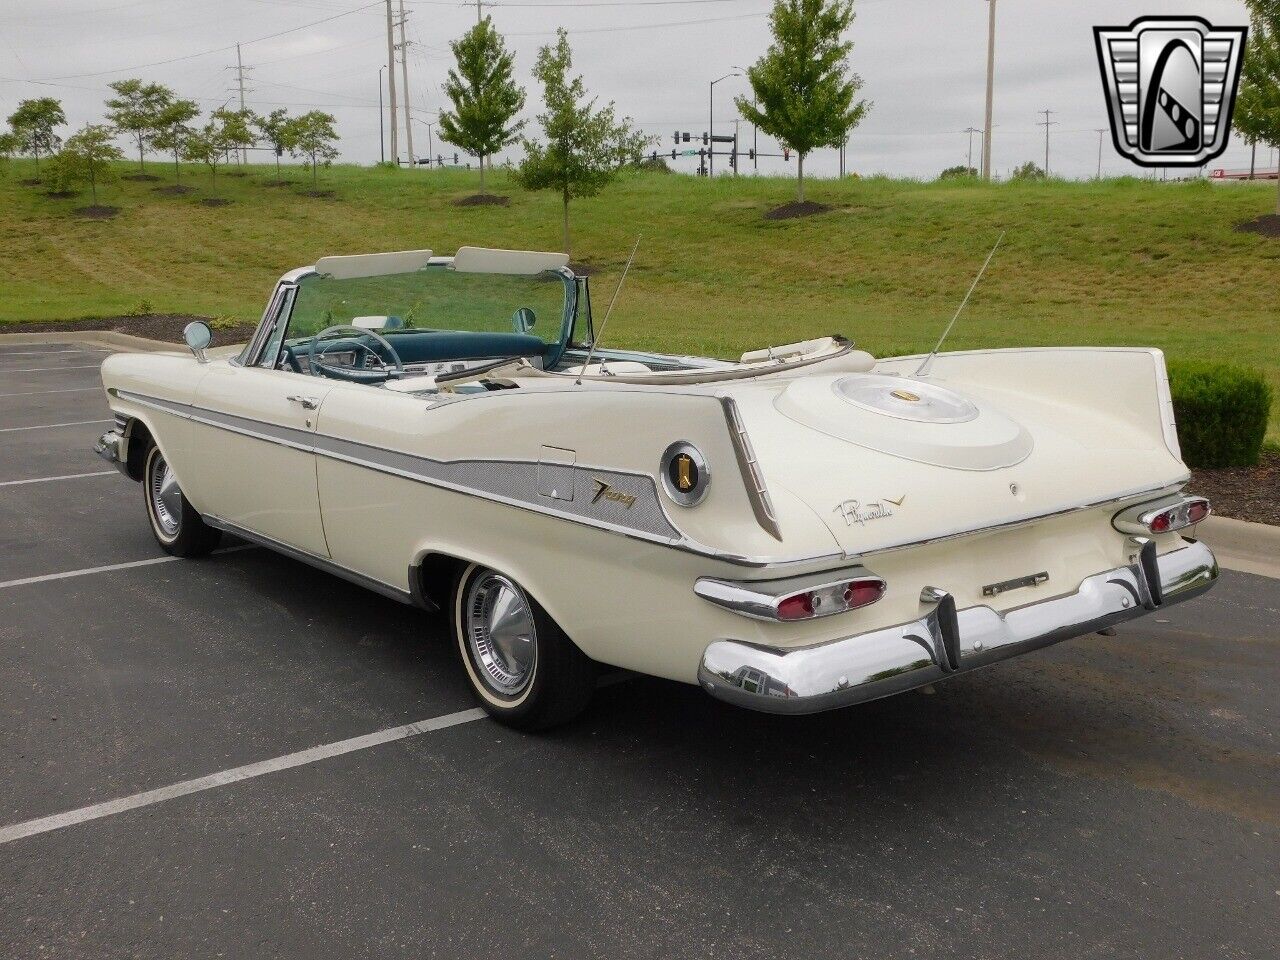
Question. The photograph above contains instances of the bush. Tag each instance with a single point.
(1028, 171)
(958, 173)
(1222, 413)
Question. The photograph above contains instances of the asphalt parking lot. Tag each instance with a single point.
(1109, 797)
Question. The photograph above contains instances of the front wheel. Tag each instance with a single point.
(178, 527)
(523, 668)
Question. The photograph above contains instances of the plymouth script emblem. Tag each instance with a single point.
(859, 513)
(605, 492)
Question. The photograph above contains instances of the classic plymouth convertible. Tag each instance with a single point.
(804, 528)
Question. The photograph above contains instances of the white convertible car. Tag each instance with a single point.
(801, 529)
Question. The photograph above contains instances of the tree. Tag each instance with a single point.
(10, 143)
(485, 97)
(33, 123)
(803, 90)
(173, 127)
(1028, 171)
(137, 109)
(208, 145)
(1257, 114)
(237, 128)
(86, 157)
(958, 173)
(585, 147)
(312, 136)
(274, 128)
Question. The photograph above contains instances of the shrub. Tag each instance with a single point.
(958, 173)
(1028, 171)
(1222, 413)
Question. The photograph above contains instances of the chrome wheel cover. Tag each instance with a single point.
(166, 497)
(500, 633)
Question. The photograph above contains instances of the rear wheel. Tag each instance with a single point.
(523, 668)
(178, 528)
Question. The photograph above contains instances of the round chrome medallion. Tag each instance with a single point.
(905, 399)
(685, 474)
(166, 498)
(501, 634)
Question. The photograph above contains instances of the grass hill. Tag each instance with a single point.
(1117, 262)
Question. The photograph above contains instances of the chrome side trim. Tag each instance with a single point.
(943, 642)
(759, 599)
(320, 563)
(752, 478)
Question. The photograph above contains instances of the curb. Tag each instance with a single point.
(110, 339)
(1246, 547)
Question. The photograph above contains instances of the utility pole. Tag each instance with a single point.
(1101, 132)
(404, 66)
(479, 15)
(382, 134)
(755, 149)
(1047, 123)
(391, 85)
(991, 79)
(971, 131)
(735, 146)
(242, 153)
(711, 125)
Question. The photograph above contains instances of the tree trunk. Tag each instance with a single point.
(177, 170)
(37, 152)
(482, 173)
(800, 178)
(142, 164)
(314, 174)
(1278, 195)
(277, 164)
(93, 186)
(565, 198)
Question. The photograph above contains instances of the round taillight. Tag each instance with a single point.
(1198, 510)
(1161, 522)
(796, 607)
(859, 593)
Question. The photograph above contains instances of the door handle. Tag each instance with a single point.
(308, 403)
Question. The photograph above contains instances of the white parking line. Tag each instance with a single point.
(91, 366)
(129, 565)
(45, 353)
(110, 808)
(50, 426)
(37, 393)
(65, 476)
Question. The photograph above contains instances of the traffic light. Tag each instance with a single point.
(704, 139)
(786, 153)
(733, 160)
(673, 153)
(751, 153)
(686, 137)
(676, 138)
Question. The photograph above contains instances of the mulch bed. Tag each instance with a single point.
(317, 194)
(277, 183)
(96, 212)
(790, 211)
(483, 200)
(215, 202)
(1268, 226)
(31, 182)
(60, 194)
(153, 326)
(1243, 493)
(140, 177)
(174, 190)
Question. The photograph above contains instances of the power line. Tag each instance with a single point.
(1047, 123)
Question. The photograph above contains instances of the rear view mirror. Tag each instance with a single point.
(198, 336)
(523, 320)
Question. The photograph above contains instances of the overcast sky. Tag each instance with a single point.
(922, 62)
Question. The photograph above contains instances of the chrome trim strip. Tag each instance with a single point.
(892, 659)
(1137, 520)
(111, 447)
(749, 467)
(321, 563)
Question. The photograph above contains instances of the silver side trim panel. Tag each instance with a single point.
(320, 563)
(944, 641)
(752, 477)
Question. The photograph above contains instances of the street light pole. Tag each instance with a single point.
(382, 133)
(711, 126)
(1101, 132)
(991, 77)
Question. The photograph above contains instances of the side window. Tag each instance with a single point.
(271, 351)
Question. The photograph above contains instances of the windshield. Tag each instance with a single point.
(437, 298)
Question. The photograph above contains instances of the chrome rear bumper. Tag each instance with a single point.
(946, 641)
(112, 448)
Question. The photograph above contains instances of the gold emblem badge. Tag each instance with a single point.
(607, 492)
(686, 472)
(905, 395)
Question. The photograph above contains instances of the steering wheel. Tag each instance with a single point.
(315, 366)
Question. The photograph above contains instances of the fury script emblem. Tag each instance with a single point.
(606, 492)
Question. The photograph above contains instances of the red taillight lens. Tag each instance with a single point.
(796, 607)
(859, 593)
(1161, 522)
(1198, 510)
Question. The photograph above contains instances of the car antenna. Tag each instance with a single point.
(616, 290)
(923, 371)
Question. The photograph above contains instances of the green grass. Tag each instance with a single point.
(1119, 262)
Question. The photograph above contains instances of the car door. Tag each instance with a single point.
(253, 452)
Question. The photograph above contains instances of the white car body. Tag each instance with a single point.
(998, 498)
